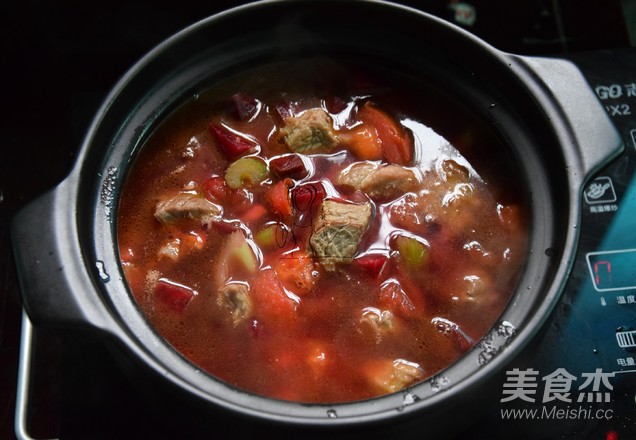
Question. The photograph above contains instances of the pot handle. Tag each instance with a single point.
(595, 136)
(56, 289)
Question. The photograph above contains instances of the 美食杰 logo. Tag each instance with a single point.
(561, 394)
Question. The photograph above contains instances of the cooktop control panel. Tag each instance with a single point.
(580, 380)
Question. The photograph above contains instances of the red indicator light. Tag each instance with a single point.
(598, 266)
(611, 435)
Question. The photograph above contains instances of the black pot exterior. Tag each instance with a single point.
(65, 242)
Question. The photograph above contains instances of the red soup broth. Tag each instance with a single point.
(317, 232)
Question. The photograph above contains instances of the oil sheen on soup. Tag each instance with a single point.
(319, 232)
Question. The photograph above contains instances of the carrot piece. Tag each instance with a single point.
(397, 145)
(278, 198)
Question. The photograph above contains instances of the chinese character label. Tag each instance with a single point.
(520, 384)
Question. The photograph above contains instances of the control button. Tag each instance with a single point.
(613, 270)
(600, 190)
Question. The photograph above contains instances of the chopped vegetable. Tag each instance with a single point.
(241, 253)
(272, 235)
(289, 165)
(174, 295)
(279, 199)
(297, 272)
(307, 196)
(246, 106)
(246, 171)
(374, 264)
(397, 144)
(283, 110)
(182, 246)
(215, 189)
(253, 213)
(364, 142)
(412, 251)
(335, 104)
(271, 303)
(266, 237)
(230, 143)
(236, 259)
(193, 241)
(226, 227)
(393, 297)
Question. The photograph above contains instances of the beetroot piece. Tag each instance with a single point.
(246, 105)
(284, 110)
(230, 143)
(335, 104)
(307, 196)
(175, 296)
(372, 264)
(290, 165)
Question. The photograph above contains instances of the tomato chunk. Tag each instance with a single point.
(397, 144)
(365, 143)
(395, 298)
(298, 273)
(278, 198)
(215, 189)
(271, 303)
(254, 213)
(175, 296)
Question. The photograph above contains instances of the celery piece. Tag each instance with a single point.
(413, 252)
(246, 171)
(243, 256)
(266, 237)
